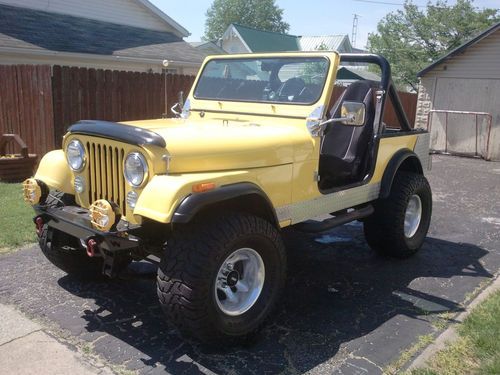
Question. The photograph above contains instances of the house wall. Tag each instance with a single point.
(123, 12)
(93, 61)
(467, 82)
(234, 46)
(232, 43)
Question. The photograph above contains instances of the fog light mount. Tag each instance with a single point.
(34, 191)
(104, 215)
(132, 197)
(79, 184)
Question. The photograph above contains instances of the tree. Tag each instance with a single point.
(412, 38)
(259, 14)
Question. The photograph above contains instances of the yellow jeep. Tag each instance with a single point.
(260, 145)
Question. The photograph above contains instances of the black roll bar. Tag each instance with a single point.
(386, 83)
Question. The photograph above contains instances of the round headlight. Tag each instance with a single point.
(75, 154)
(136, 169)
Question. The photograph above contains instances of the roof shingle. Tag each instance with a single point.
(328, 42)
(33, 29)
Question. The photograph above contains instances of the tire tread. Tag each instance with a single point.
(184, 278)
(384, 230)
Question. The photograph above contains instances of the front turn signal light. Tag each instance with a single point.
(204, 186)
(34, 192)
(104, 215)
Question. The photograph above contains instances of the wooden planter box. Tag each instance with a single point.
(15, 167)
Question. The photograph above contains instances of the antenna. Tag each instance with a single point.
(165, 63)
(354, 29)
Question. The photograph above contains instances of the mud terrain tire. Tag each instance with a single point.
(385, 228)
(190, 270)
(65, 251)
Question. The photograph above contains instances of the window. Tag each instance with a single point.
(298, 80)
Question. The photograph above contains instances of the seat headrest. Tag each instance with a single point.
(356, 92)
(292, 86)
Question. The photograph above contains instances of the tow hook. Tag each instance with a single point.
(93, 248)
(39, 226)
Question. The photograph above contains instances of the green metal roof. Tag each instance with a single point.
(267, 41)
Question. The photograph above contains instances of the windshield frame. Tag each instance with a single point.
(267, 57)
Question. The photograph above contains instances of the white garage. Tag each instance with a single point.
(459, 98)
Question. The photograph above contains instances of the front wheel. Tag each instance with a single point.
(220, 280)
(399, 225)
(65, 251)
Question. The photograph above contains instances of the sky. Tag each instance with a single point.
(311, 17)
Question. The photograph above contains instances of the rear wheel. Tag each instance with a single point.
(401, 221)
(220, 280)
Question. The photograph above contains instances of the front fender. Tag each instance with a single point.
(53, 170)
(164, 193)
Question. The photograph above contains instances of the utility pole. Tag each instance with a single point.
(354, 29)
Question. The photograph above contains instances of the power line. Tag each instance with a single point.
(378, 2)
(386, 3)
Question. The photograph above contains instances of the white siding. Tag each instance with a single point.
(93, 61)
(234, 46)
(481, 60)
(469, 81)
(232, 43)
(123, 12)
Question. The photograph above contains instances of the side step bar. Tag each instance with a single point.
(321, 226)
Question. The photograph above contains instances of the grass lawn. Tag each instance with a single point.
(16, 225)
(477, 350)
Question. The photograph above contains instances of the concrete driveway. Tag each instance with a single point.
(345, 309)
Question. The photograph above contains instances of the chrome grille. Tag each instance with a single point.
(106, 180)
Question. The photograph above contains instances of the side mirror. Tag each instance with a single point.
(353, 113)
(176, 109)
(181, 111)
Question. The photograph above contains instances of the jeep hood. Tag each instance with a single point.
(210, 145)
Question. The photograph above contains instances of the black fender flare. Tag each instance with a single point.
(194, 203)
(402, 156)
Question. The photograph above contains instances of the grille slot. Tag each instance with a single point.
(106, 179)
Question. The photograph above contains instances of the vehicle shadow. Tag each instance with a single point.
(338, 290)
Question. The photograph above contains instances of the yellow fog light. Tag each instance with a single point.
(33, 192)
(104, 215)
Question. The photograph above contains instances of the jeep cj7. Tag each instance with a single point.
(260, 145)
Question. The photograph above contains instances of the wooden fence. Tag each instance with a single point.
(408, 101)
(81, 93)
(26, 106)
(39, 102)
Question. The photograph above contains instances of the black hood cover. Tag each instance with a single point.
(118, 132)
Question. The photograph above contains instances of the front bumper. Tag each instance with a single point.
(75, 221)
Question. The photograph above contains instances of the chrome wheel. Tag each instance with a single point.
(413, 215)
(239, 281)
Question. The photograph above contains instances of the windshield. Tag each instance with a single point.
(285, 80)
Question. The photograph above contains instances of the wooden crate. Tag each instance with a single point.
(15, 167)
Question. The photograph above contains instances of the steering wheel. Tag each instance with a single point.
(290, 89)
